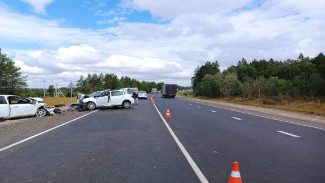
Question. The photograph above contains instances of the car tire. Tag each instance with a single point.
(41, 112)
(126, 104)
(91, 105)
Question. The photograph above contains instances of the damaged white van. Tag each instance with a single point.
(107, 98)
(12, 106)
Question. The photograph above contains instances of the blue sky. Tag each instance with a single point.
(161, 40)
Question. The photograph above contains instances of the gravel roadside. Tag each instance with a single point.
(293, 117)
(12, 131)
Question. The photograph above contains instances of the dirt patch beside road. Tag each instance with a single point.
(309, 120)
(15, 130)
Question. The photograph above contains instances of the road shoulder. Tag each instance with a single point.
(12, 131)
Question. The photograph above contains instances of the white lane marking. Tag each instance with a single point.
(213, 111)
(294, 123)
(290, 134)
(236, 118)
(189, 104)
(198, 106)
(186, 154)
(29, 138)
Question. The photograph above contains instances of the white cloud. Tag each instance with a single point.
(196, 32)
(172, 8)
(111, 21)
(38, 5)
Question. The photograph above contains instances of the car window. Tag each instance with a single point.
(2, 100)
(18, 100)
(104, 93)
(117, 93)
(129, 91)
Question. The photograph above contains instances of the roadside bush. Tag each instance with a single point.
(267, 101)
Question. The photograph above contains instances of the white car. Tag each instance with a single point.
(143, 94)
(12, 106)
(129, 90)
(107, 98)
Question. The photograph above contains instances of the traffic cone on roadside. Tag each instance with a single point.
(235, 175)
(153, 101)
(168, 114)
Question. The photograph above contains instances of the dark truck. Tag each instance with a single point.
(169, 90)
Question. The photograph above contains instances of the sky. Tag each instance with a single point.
(57, 41)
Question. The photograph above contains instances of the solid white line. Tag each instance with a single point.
(186, 154)
(213, 111)
(290, 134)
(236, 118)
(29, 138)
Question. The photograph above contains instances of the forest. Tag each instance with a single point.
(301, 77)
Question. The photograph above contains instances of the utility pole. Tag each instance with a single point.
(44, 88)
(71, 85)
(56, 90)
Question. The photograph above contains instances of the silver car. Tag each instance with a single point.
(143, 94)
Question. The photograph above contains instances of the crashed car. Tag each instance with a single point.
(106, 98)
(12, 106)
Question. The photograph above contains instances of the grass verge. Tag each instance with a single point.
(51, 101)
(286, 103)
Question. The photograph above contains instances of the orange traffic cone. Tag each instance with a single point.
(153, 101)
(235, 175)
(168, 114)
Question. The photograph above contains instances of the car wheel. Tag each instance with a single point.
(91, 105)
(41, 112)
(126, 104)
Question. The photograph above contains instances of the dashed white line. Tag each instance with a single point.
(189, 104)
(29, 138)
(294, 123)
(196, 169)
(198, 106)
(213, 111)
(236, 118)
(290, 134)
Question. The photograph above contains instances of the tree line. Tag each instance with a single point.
(299, 77)
(95, 82)
(11, 79)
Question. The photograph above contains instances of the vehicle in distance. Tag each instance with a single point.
(153, 90)
(129, 90)
(169, 90)
(143, 94)
(12, 106)
(107, 98)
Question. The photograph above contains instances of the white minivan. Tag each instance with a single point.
(107, 98)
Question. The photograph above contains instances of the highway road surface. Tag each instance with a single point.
(198, 143)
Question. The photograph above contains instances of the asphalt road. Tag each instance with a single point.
(134, 145)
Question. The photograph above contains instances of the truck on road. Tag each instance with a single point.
(12, 106)
(169, 90)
